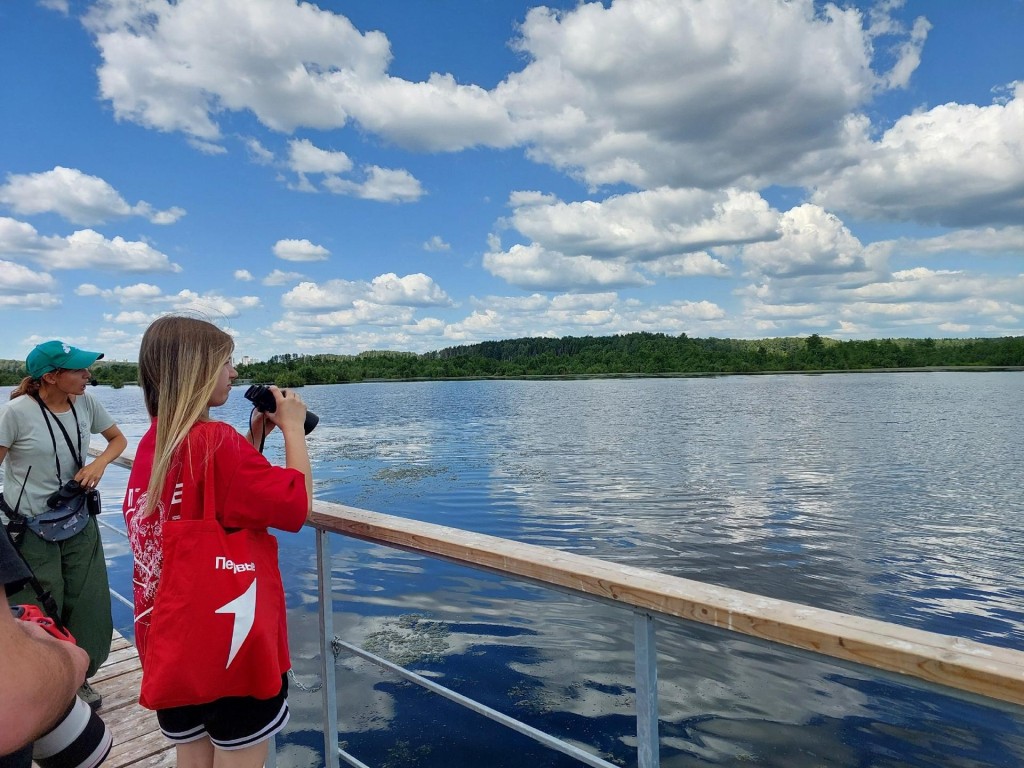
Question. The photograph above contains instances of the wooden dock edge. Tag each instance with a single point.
(137, 737)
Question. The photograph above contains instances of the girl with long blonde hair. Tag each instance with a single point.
(186, 463)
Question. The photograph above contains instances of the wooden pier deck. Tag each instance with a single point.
(137, 737)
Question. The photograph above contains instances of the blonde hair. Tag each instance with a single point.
(180, 360)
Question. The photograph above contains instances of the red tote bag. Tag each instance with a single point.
(216, 617)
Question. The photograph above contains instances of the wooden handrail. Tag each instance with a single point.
(965, 665)
(125, 460)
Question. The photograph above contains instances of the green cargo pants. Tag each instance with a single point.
(75, 573)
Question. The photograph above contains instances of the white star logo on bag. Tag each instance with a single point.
(244, 609)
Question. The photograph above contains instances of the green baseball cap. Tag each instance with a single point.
(51, 355)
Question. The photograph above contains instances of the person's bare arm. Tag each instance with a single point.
(39, 677)
(290, 417)
(90, 474)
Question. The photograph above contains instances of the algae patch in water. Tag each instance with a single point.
(409, 639)
(541, 700)
(411, 473)
(402, 753)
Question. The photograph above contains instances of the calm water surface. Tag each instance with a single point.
(893, 496)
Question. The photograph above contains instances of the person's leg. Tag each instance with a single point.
(195, 754)
(241, 728)
(250, 757)
(86, 608)
(184, 727)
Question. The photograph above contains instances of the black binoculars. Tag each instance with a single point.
(69, 491)
(65, 493)
(263, 400)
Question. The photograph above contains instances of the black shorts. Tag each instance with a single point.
(234, 722)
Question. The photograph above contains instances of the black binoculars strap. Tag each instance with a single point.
(76, 453)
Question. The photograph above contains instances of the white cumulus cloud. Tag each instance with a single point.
(305, 157)
(436, 243)
(647, 225)
(77, 196)
(18, 279)
(84, 249)
(416, 290)
(955, 164)
(534, 267)
(300, 250)
(653, 93)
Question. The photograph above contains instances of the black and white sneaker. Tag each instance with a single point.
(90, 695)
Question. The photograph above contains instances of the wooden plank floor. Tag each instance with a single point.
(137, 737)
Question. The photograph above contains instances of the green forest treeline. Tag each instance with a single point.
(627, 354)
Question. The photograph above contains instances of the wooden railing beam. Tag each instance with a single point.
(954, 662)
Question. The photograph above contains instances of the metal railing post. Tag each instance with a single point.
(646, 669)
(326, 611)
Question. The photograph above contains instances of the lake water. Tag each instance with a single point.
(892, 496)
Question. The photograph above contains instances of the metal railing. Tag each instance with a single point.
(990, 673)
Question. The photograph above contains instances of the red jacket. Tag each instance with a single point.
(250, 492)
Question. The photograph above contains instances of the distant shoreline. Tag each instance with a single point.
(695, 374)
(638, 375)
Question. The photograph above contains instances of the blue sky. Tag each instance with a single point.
(346, 176)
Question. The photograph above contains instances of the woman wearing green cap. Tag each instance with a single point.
(44, 445)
